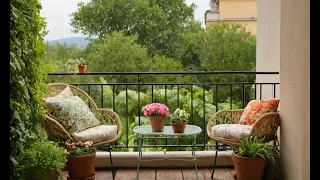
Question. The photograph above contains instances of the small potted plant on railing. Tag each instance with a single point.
(179, 120)
(74, 65)
(157, 114)
(81, 156)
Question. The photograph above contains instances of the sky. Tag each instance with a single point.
(57, 14)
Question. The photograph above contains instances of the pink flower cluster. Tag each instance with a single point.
(155, 109)
(74, 145)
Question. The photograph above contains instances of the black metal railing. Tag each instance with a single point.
(201, 99)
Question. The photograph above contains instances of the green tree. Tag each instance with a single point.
(228, 47)
(27, 29)
(190, 45)
(164, 64)
(158, 23)
(118, 53)
(58, 54)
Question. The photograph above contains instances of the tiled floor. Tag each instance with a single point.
(163, 174)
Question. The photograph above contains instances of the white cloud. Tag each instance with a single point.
(57, 14)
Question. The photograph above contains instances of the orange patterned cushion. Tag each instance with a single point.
(256, 108)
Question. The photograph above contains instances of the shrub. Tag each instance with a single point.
(42, 157)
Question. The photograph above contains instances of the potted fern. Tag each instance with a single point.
(251, 157)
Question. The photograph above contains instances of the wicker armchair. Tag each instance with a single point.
(265, 126)
(56, 132)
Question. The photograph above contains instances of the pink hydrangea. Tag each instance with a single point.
(155, 109)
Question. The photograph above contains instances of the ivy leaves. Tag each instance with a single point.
(27, 29)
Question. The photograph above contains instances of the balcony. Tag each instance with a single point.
(200, 93)
(288, 45)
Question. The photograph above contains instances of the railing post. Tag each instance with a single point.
(139, 109)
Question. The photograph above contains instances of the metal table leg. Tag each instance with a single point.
(139, 155)
(194, 155)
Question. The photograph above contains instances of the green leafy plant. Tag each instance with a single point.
(79, 148)
(256, 148)
(27, 29)
(72, 64)
(179, 116)
(42, 157)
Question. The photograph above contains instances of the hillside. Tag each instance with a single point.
(79, 41)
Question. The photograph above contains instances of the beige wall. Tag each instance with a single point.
(295, 89)
(251, 25)
(235, 11)
(268, 46)
(237, 8)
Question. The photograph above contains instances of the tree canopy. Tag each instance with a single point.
(158, 23)
(227, 47)
(118, 53)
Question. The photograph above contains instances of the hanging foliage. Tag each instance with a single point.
(27, 29)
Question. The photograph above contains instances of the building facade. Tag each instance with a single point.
(233, 11)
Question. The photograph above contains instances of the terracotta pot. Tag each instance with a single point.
(179, 127)
(82, 68)
(80, 167)
(248, 168)
(157, 123)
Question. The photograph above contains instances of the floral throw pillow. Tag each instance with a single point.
(73, 113)
(256, 108)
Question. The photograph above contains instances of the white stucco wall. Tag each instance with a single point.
(295, 89)
(268, 46)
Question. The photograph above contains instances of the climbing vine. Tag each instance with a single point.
(27, 29)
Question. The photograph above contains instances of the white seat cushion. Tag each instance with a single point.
(96, 134)
(231, 131)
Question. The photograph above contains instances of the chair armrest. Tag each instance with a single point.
(266, 125)
(114, 117)
(224, 117)
(55, 131)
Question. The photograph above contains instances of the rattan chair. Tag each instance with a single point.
(265, 126)
(56, 132)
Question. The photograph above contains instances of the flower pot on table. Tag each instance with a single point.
(157, 123)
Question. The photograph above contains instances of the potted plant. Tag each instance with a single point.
(157, 114)
(76, 65)
(81, 156)
(251, 157)
(82, 66)
(179, 120)
(44, 159)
